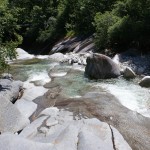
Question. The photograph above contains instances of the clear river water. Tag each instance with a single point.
(128, 92)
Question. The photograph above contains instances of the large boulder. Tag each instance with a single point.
(145, 82)
(101, 67)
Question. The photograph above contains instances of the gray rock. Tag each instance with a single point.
(32, 129)
(27, 108)
(14, 142)
(145, 82)
(10, 89)
(66, 131)
(119, 141)
(101, 67)
(58, 57)
(52, 111)
(85, 45)
(51, 122)
(88, 48)
(76, 45)
(129, 73)
(11, 120)
(98, 133)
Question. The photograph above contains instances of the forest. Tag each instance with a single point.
(38, 24)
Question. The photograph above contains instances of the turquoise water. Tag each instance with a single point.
(74, 84)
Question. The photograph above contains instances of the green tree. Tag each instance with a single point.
(9, 39)
(103, 22)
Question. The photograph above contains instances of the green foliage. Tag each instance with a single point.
(117, 24)
(9, 39)
(130, 29)
(103, 23)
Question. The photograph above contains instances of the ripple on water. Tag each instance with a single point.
(30, 69)
(129, 93)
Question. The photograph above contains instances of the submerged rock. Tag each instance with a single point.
(145, 82)
(101, 67)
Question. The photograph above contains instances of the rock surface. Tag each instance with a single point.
(105, 107)
(10, 89)
(136, 61)
(14, 142)
(11, 120)
(77, 44)
(21, 54)
(128, 73)
(58, 57)
(60, 130)
(145, 82)
(101, 67)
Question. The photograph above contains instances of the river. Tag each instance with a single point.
(35, 69)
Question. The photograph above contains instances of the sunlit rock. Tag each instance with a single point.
(145, 82)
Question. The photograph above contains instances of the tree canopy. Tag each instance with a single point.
(116, 24)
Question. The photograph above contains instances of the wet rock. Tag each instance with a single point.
(38, 82)
(51, 85)
(57, 74)
(145, 82)
(11, 120)
(128, 73)
(101, 67)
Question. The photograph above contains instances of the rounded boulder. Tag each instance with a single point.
(101, 67)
